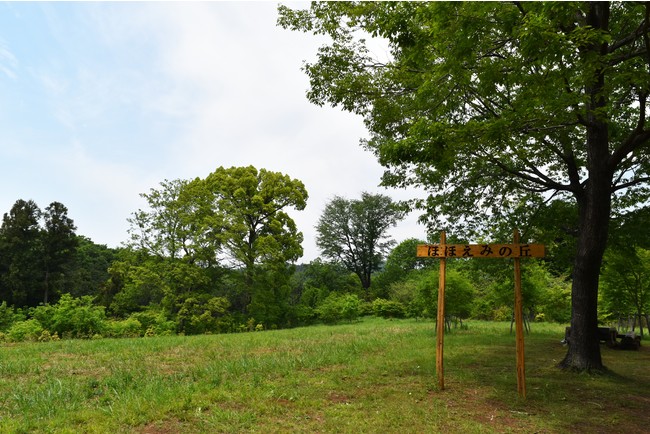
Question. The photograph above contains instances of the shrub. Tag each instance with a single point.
(366, 309)
(72, 317)
(203, 314)
(388, 308)
(28, 330)
(8, 316)
(304, 314)
(154, 323)
(502, 313)
(128, 328)
(337, 307)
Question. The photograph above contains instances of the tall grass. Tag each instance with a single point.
(372, 376)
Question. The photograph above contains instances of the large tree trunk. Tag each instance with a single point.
(594, 204)
(584, 348)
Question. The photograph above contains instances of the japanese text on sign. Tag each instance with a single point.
(480, 250)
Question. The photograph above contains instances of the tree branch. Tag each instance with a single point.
(630, 183)
(635, 140)
(627, 56)
(521, 8)
(535, 176)
(643, 28)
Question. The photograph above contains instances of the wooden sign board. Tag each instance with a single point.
(480, 251)
(515, 251)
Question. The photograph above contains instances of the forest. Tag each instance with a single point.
(221, 255)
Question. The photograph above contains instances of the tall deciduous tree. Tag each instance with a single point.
(354, 232)
(252, 204)
(178, 224)
(494, 105)
(235, 218)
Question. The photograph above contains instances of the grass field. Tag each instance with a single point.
(376, 376)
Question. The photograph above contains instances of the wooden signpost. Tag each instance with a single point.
(516, 251)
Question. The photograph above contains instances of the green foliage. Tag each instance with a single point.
(37, 249)
(8, 316)
(71, 317)
(459, 293)
(555, 301)
(28, 330)
(313, 282)
(87, 273)
(625, 282)
(154, 323)
(135, 286)
(353, 232)
(203, 314)
(388, 308)
(495, 107)
(400, 261)
(408, 293)
(21, 255)
(338, 307)
(226, 235)
(251, 208)
(59, 247)
(126, 328)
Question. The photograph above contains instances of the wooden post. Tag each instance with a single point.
(519, 325)
(440, 335)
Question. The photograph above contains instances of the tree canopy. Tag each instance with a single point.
(354, 232)
(233, 221)
(496, 107)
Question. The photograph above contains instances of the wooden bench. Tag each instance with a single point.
(629, 341)
(610, 336)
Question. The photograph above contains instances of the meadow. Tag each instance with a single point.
(374, 376)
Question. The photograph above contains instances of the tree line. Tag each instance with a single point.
(219, 254)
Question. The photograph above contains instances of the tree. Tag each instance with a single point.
(255, 226)
(88, 272)
(257, 233)
(626, 283)
(35, 257)
(179, 224)
(59, 244)
(21, 253)
(498, 106)
(399, 262)
(353, 232)
(232, 222)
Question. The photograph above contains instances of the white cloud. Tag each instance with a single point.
(174, 90)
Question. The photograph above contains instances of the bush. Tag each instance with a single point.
(388, 308)
(72, 317)
(8, 316)
(502, 313)
(337, 307)
(128, 328)
(28, 330)
(304, 314)
(203, 314)
(154, 323)
(366, 309)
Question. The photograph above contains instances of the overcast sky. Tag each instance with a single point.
(100, 102)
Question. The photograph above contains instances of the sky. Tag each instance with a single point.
(102, 101)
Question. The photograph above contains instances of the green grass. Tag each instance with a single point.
(372, 376)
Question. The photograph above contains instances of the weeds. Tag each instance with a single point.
(372, 376)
